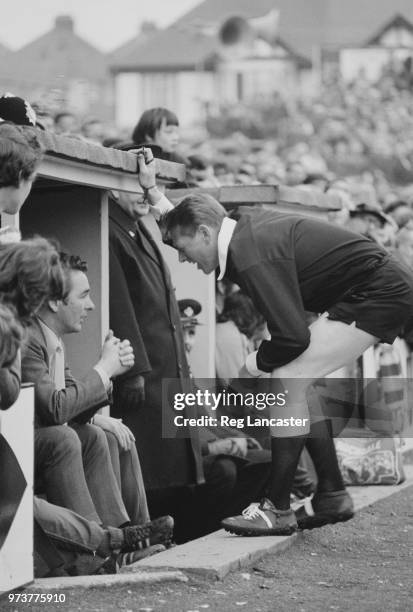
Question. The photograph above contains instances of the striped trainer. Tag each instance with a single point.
(261, 519)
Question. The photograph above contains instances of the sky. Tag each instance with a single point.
(106, 24)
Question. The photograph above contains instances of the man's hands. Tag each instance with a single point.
(123, 434)
(147, 175)
(117, 357)
(237, 447)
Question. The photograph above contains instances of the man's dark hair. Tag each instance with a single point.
(20, 153)
(30, 274)
(71, 263)
(150, 121)
(194, 210)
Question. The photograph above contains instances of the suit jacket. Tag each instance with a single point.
(79, 400)
(143, 308)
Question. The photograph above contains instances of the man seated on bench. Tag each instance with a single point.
(74, 462)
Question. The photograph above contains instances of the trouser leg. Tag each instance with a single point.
(177, 502)
(100, 477)
(58, 464)
(127, 469)
(66, 528)
(213, 498)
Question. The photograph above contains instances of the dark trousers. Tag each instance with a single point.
(74, 469)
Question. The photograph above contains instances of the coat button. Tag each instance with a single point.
(173, 327)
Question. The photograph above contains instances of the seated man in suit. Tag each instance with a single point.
(75, 462)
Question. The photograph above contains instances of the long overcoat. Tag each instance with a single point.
(143, 309)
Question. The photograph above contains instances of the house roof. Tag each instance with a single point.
(131, 47)
(397, 22)
(304, 26)
(352, 22)
(172, 48)
(59, 53)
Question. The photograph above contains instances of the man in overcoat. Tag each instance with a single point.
(143, 305)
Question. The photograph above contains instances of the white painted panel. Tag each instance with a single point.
(16, 554)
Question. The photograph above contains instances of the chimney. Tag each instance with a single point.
(64, 23)
(148, 27)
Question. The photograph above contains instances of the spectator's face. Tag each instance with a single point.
(189, 333)
(13, 198)
(75, 308)
(133, 204)
(167, 137)
(200, 249)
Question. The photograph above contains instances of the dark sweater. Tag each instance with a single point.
(289, 264)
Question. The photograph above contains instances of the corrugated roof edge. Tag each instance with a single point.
(79, 150)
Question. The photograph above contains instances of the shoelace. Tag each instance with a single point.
(252, 511)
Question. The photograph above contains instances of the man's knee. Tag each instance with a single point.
(93, 439)
(57, 440)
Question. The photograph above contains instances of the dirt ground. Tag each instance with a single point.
(363, 565)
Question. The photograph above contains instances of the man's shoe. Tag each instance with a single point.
(327, 508)
(159, 531)
(118, 561)
(261, 519)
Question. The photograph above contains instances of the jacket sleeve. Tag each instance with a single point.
(274, 289)
(55, 407)
(122, 316)
(9, 384)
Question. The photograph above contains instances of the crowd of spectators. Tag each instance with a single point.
(354, 138)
